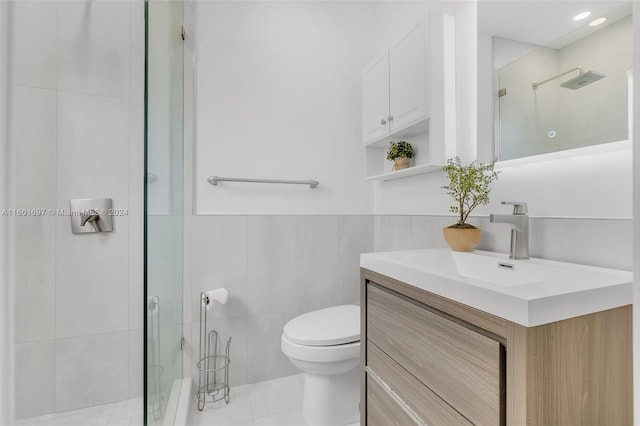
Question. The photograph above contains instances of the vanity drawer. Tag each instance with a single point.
(430, 408)
(460, 365)
(382, 410)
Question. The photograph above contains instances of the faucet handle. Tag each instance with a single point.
(519, 207)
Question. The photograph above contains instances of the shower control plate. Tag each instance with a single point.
(91, 215)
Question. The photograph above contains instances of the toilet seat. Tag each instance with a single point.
(320, 354)
(337, 325)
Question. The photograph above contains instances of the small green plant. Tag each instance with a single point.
(469, 186)
(400, 149)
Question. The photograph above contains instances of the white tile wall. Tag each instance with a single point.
(316, 263)
(33, 133)
(392, 233)
(287, 265)
(35, 378)
(91, 370)
(91, 280)
(219, 259)
(355, 237)
(35, 279)
(136, 361)
(34, 57)
(265, 358)
(93, 47)
(93, 148)
(598, 242)
(271, 271)
(77, 132)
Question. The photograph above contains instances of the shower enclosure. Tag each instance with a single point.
(163, 209)
(91, 108)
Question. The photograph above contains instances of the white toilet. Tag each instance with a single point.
(325, 344)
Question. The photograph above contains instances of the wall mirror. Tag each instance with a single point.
(562, 74)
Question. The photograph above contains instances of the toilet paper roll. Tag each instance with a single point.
(220, 295)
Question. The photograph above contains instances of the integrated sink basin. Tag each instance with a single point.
(529, 292)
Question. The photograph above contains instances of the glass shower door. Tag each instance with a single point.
(163, 209)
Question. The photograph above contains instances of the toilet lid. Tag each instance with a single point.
(326, 327)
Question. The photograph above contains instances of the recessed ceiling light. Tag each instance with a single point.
(580, 16)
(596, 22)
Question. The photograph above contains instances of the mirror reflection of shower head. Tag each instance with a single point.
(583, 79)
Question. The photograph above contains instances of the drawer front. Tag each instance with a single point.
(430, 408)
(460, 365)
(382, 410)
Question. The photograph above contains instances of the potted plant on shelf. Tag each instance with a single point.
(470, 187)
(400, 153)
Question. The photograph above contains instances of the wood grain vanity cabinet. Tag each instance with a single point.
(430, 360)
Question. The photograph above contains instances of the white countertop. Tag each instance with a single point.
(528, 292)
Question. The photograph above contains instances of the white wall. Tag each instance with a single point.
(76, 132)
(279, 97)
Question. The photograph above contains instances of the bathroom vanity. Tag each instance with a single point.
(448, 339)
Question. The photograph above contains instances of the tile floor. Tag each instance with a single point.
(272, 403)
(124, 413)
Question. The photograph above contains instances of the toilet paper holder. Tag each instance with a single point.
(213, 367)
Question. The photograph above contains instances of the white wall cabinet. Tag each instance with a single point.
(408, 93)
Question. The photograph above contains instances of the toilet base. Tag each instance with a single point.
(331, 400)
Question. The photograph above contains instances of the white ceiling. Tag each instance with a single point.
(537, 21)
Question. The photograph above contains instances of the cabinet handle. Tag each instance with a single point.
(383, 122)
(390, 118)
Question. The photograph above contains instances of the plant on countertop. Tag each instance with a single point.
(469, 186)
(400, 149)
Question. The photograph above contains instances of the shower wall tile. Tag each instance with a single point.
(91, 280)
(77, 132)
(91, 370)
(34, 177)
(33, 142)
(136, 361)
(316, 263)
(219, 259)
(136, 50)
(34, 48)
(93, 50)
(265, 358)
(35, 285)
(356, 237)
(93, 151)
(35, 372)
(271, 269)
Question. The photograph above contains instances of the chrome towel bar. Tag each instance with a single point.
(213, 180)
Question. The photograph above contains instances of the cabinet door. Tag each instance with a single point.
(409, 78)
(375, 99)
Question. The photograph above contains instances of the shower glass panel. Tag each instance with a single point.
(163, 210)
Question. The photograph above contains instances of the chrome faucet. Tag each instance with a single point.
(519, 223)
